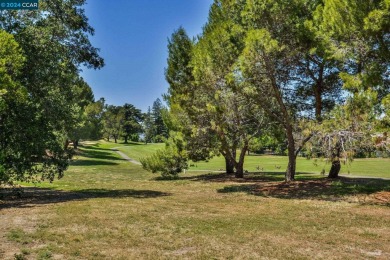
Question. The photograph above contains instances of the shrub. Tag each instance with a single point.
(170, 161)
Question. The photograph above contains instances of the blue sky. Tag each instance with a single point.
(132, 36)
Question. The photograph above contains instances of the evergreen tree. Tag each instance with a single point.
(160, 131)
(148, 126)
(131, 124)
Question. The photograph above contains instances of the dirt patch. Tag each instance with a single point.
(298, 189)
(361, 191)
(24, 221)
(382, 198)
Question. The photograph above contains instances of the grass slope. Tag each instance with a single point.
(107, 208)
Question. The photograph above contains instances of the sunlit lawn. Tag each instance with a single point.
(108, 208)
(373, 167)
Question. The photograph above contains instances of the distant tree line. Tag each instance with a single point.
(310, 76)
(128, 123)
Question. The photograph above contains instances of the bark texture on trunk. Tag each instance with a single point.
(240, 164)
(292, 159)
(318, 105)
(229, 165)
(318, 93)
(290, 172)
(239, 170)
(336, 165)
(335, 169)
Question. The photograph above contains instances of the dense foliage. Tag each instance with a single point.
(42, 95)
(318, 70)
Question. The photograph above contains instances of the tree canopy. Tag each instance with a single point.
(291, 64)
(42, 93)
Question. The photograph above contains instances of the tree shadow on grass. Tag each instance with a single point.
(102, 156)
(29, 197)
(99, 153)
(98, 156)
(84, 162)
(248, 177)
(131, 143)
(93, 147)
(307, 186)
(358, 190)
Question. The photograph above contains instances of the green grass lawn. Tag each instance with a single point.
(133, 150)
(360, 167)
(377, 167)
(108, 208)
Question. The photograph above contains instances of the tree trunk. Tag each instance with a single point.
(108, 138)
(115, 139)
(335, 169)
(336, 165)
(75, 144)
(318, 94)
(239, 170)
(240, 164)
(229, 165)
(318, 104)
(292, 159)
(125, 139)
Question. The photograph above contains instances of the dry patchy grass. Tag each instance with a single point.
(118, 211)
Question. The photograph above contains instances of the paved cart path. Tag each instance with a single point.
(124, 156)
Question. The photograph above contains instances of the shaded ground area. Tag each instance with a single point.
(95, 156)
(31, 197)
(361, 190)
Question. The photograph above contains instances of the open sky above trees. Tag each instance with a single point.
(132, 37)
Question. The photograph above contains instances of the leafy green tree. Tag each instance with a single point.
(12, 95)
(179, 73)
(217, 119)
(148, 126)
(355, 34)
(287, 69)
(160, 131)
(90, 123)
(266, 65)
(180, 97)
(83, 97)
(94, 113)
(54, 41)
(220, 108)
(112, 118)
(131, 124)
(252, 56)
